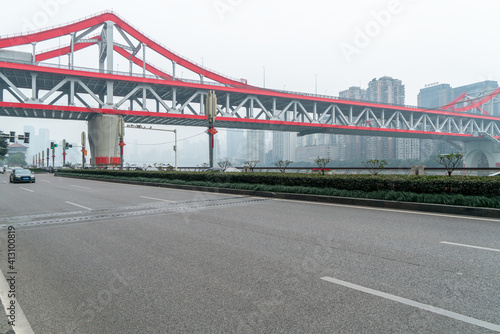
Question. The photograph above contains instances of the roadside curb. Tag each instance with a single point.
(394, 205)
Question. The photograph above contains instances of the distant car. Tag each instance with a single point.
(22, 175)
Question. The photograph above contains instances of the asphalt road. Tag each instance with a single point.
(95, 257)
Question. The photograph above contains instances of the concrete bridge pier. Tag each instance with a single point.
(483, 153)
(105, 132)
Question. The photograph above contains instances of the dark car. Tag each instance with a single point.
(22, 175)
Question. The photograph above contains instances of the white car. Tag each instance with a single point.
(232, 170)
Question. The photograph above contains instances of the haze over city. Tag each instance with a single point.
(319, 47)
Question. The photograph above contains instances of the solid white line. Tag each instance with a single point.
(392, 210)
(22, 326)
(31, 191)
(4, 182)
(78, 205)
(158, 199)
(412, 303)
(81, 187)
(470, 246)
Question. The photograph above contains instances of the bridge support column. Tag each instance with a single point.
(482, 154)
(34, 90)
(104, 140)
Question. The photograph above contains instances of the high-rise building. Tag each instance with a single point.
(353, 93)
(390, 91)
(434, 96)
(284, 146)
(236, 146)
(386, 90)
(383, 90)
(256, 145)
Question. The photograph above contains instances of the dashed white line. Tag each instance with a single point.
(78, 205)
(81, 187)
(22, 326)
(45, 181)
(470, 246)
(158, 199)
(409, 302)
(31, 191)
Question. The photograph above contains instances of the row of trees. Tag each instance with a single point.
(450, 161)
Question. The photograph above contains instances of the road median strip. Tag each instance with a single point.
(412, 206)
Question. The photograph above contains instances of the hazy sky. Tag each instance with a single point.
(342, 43)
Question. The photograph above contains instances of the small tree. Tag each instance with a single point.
(224, 165)
(251, 164)
(282, 165)
(375, 165)
(322, 162)
(450, 161)
(18, 159)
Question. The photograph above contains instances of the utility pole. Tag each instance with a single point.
(84, 152)
(64, 152)
(211, 112)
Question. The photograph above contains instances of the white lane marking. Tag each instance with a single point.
(470, 246)
(22, 326)
(412, 303)
(81, 187)
(31, 191)
(158, 199)
(4, 182)
(45, 181)
(78, 205)
(392, 210)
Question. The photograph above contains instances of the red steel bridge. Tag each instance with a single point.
(33, 84)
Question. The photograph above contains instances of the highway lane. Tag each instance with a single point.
(133, 259)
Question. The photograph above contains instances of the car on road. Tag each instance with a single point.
(22, 175)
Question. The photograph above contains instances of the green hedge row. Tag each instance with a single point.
(447, 199)
(464, 185)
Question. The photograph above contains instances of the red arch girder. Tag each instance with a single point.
(140, 63)
(455, 101)
(64, 50)
(479, 102)
(102, 18)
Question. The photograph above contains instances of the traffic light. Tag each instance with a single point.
(26, 137)
(52, 145)
(12, 137)
(67, 146)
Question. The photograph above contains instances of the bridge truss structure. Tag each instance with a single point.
(33, 85)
